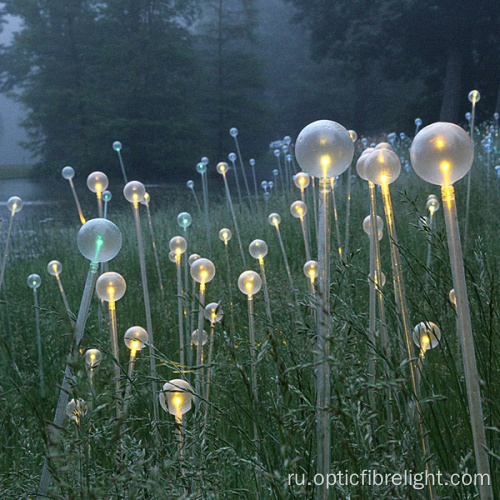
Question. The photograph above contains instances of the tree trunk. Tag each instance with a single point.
(450, 106)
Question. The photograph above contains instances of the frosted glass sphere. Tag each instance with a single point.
(264, 185)
(367, 225)
(402, 136)
(176, 397)
(136, 338)
(274, 219)
(284, 148)
(275, 172)
(15, 204)
(360, 164)
(178, 245)
(442, 153)
(324, 149)
(258, 249)
(353, 135)
(496, 116)
(193, 258)
(418, 122)
(92, 357)
(171, 257)
(276, 152)
(225, 235)
(298, 209)
(195, 338)
(106, 196)
(54, 268)
(34, 281)
(249, 283)
(371, 279)
(134, 191)
(202, 271)
(97, 182)
(76, 409)
(288, 157)
(201, 168)
(432, 203)
(474, 96)
(426, 335)
(184, 220)
(68, 173)
(213, 312)
(384, 145)
(468, 116)
(453, 297)
(146, 199)
(117, 145)
(302, 180)
(222, 167)
(204, 160)
(287, 140)
(233, 132)
(110, 286)
(190, 184)
(99, 240)
(252, 162)
(231, 156)
(270, 184)
(311, 269)
(382, 166)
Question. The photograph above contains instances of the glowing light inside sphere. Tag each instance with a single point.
(134, 192)
(92, 357)
(110, 286)
(426, 335)
(176, 397)
(136, 338)
(249, 283)
(225, 235)
(298, 209)
(97, 182)
(184, 220)
(213, 312)
(274, 219)
(34, 281)
(202, 271)
(15, 204)
(54, 268)
(382, 166)
(178, 245)
(117, 146)
(258, 249)
(99, 240)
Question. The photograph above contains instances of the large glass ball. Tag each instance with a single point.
(298, 209)
(184, 220)
(92, 357)
(110, 286)
(213, 312)
(134, 191)
(274, 219)
(202, 271)
(117, 146)
(99, 240)
(178, 245)
(249, 283)
(302, 180)
(34, 281)
(225, 235)
(97, 182)
(176, 397)
(195, 337)
(311, 269)
(15, 204)
(324, 149)
(382, 166)
(136, 338)
(193, 258)
(426, 335)
(54, 268)
(360, 164)
(442, 153)
(222, 167)
(367, 225)
(258, 249)
(68, 173)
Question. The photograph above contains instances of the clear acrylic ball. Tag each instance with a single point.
(184, 220)
(68, 173)
(249, 283)
(453, 297)
(274, 219)
(204, 160)
(367, 225)
(360, 164)
(233, 132)
(384, 145)
(171, 257)
(147, 198)
(275, 172)
(134, 191)
(288, 157)
(190, 184)
(15, 204)
(193, 258)
(474, 96)
(110, 286)
(54, 268)
(496, 116)
(442, 153)
(432, 203)
(176, 397)
(287, 140)
(353, 135)
(225, 235)
(285, 149)
(311, 269)
(92, 357)
(418, 122)
(222, 167)
(231, 156)
(201, 168)
(202, 270)
(34, 281)
(276, 152)
(302, 180)
(298, 209)
(264, 185)
(195, 338)
(178, 245)
(270, 184)
(382, 166)
(136, 338)
(426, 335)
(252, 162)
(99, 240)
(117, 146)
(324, 149)
(107, 196)
(258, 249)
(97, 182)
(213, 312)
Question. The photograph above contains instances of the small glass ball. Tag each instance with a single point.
(287, 140)
(276, 152)
(99, 240)
(442, 153)
(258, 249)
(117, 146)
(432, 203)
(302, 180)
(136, 338)
(171, 257)
(176, 397)
(225, 235)
(270, 184)
(76, 409)
(311, 269)
(201, 168)
(34, 281)
(360, 164)
(204, 160)
(233, 132)
(324, 149)
(249, 283)
(274, 219)
(402, 136)
(285, 149)
(298, 209)
(264, 185)
(68, 173)
(252, 162)
(231, 156)
(468, 116)
(288, 157)
(354, 135)
(134, 191)
(213, 312)
(15, 204)
(92, 357)
(184, 220)
(426, 335)
(110, 286)
(195, 338)
(203, 271)
(107, 196)
(97, 182)
(367, 225)
(178, 245)
(222, 167)
(382, 166)
(496, 116)
(275, 172)
(190, 184)
(418, 122)
(147, 198)
(453, 297)
(384, 145)
(54, 268)
(474, 96)
(193, 258)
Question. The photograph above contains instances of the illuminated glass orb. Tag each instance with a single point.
(287, 140)
(92, 357)
(353, 135)
(15, 204)
(442, 153)
(190, 184)
(276, 152)
(231, 156)
(402, 136)
(54, 268)
(233, 132)
(202, 271)
(136, 338)
(367, 225)
(289, 157)
(171, 257)
(97, 182)
(270, 184)
(99, 240)
(225, 235)
(213, 312)
(68, 173)
(324, 149)
(252, 162)
(302, 180)
(134, 191)
(176, 397)
(110, 286)
(178, 245)
(195, 338)
(496, 116)
(201, 168)
(34, 281)
(371, 278)
(432, 203)
(275, 172)
(360, 164)
(222, 167)
(193, 258)
(249, 283)
(204, 160)
(418, 122)
(184, 220)
(284, 148)
(274, 219)
(258, 249)
(264, 185)
(453, 297)
(382, 166)
(106, 195)
(298, 209)
(147, 198)
(384, 145)
(311, 269)
(117, 146)
(426, 335)
(474, 96)
(76, 409)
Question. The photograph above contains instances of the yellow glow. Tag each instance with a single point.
(204, 275)
(225, 235)
(146, 196)
(177, 400)
(82, 219)
(111, 290)
(440, 144)
(134, 345)
(299, 210)
(312, 274)
(178, 251)
(325, 161)
(135, 197)
(14, 206)
(425, 340)
(54, 267)
(383, 179)
(98, 187)
(444, 166)
(92, 357)
(275, 221)
(249, 286)
(302, 181)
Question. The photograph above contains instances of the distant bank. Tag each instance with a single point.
(16, 171)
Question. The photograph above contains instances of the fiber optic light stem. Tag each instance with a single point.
(235, 222)
(204, 182)
(242, 166)
(285, 259)
(39, 344)
(6, 251)
(199, 350)
(116, 356)
(469, 174)
(155, 252)
(337, 228)
(77, 202)
(348, 211)
(122, 166)
(180, 309)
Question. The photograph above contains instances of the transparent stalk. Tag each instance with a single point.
(237, 182)
(204, 182)
(242, 166)
(77, 202)
(469, 175)
(155, 252)
(335, 215)
(122, 166)
(306, 238)
(283, 252)
(180, 310)
(235, 222)
(116, 357)
(199, 347)
(348, 211)
(39, 344)
(6, 251)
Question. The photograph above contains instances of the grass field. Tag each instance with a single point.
(249, 451)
